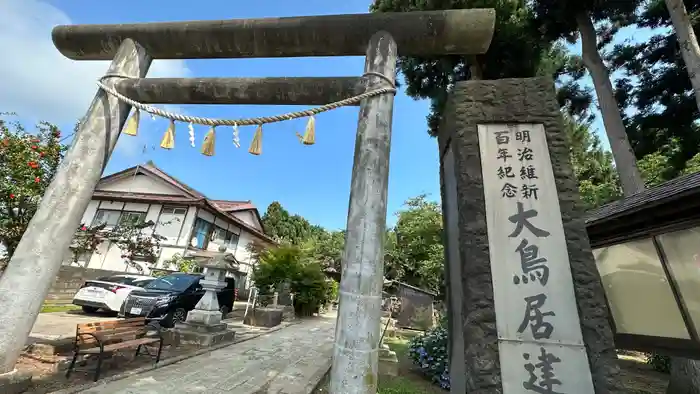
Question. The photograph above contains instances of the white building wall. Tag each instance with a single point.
(187, 227)
(249, 218)
(108, 256)
(90, 212)
(140, 184)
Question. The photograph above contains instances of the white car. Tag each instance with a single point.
(108, 293)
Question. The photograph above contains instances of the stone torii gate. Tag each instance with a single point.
(132, 47)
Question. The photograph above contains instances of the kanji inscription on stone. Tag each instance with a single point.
(540, 343)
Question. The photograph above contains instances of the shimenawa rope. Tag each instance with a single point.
(249, 121)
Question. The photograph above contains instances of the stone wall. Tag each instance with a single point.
(69, 280)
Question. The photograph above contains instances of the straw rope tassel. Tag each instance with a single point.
(256, 145)
(310, 134)
(168, 141)
(132, 125)
(209, 141)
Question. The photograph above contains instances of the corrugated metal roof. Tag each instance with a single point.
(665, 192)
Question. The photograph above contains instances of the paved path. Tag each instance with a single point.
(279, 362)
(59, 325)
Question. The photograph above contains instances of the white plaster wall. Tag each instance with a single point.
(249, 218)
(152, 214)
(139, 207)
(166, 253)
(206, 215)
(187, 226)
(140, 184)
(112, 205)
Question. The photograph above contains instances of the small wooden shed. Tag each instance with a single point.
(417, 309)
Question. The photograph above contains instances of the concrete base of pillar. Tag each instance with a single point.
(264, 317)
(15, 382)
(388, 362)
(200, 334)
(204, 317)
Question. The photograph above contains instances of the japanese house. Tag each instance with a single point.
(189, 221)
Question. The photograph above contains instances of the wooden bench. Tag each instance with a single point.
(108, 336)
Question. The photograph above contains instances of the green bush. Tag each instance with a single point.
(659, 362)
(306, 279)
(429, 353)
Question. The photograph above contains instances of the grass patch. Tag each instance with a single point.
(410, 380)
(58, 308)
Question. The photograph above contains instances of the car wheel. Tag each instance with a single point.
(224, 311)
(90, 309)
(179, 315)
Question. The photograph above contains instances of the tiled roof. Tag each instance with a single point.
(663, 193)
(228, 206)
(144, 196)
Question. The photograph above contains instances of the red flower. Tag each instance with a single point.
(82, 228)
(35, 140)
(12, 195)
(41, 154)
(33, 164)
(37, 180)
(34, 147)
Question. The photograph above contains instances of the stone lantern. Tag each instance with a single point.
(203, 325)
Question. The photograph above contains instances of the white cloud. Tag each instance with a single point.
(39, 83)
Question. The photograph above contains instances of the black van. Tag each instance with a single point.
(168, 299)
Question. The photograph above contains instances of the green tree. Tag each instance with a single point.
(661, 116)
(279, 224)
(416, 250)
(180, 264)
(693, 165)
(290, 264)
(28, 163)
(326, 248)
(515, 34)
(593, 167)
(572, 19)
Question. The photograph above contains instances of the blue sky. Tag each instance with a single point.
(311, 181)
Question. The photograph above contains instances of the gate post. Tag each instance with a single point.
(38, 257)
(357, 333)
(527, 309)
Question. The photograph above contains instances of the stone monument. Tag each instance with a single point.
(203, 325)
(527, 312)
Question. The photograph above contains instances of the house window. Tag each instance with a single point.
(221, 236)
(233, 241)
(108, 217)
(638, 291)
(170, 221)
(225, 237)
(202, 230)
(683, 256)
(129, 217)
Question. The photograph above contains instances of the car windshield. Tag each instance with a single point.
(172, 282)
(142, 282)
(122, 280)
